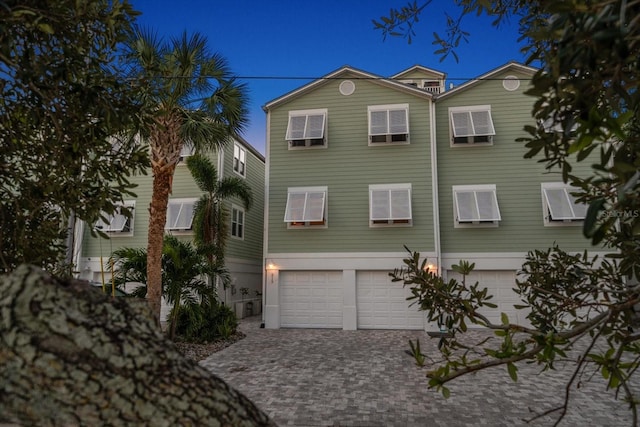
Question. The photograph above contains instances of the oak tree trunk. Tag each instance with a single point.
(72, 356)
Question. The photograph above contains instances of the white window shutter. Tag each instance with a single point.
(466, 206)
(482, 123)
(315, 127)
(487, 206)
(461, 124)
(296, 127)
(378, 122)
(400, 204)
(398, 122)
(314, 206)
(305, 206)
(379, 205)
(562, 205)
(294, 211)
(179, 215)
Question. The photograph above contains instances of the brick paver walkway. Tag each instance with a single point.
(321, 377)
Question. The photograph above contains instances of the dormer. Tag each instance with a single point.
(424, 78)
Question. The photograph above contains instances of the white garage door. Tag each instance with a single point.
(500, 284)
(383, 304)
(311, 299)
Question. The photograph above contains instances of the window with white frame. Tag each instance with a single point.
(390, 204)
(187, 150)
(475, 205)
(120, 221)
(471, 125)
(239, 160)
(237, 222)
(388, 124)
(306, 207)
(559, 207)
(180, 214)
(307, 129)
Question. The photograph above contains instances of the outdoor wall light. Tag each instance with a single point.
(431, 268)
(271, 267)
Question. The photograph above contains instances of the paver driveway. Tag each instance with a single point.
(320, 377)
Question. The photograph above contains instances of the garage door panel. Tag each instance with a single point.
(311, 299)
(500, 284)
(382, 304)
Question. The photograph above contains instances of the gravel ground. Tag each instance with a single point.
(198, 352)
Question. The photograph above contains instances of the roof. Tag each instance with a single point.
(515, 66)
(418, 67)
(340, 73)
(249, 147)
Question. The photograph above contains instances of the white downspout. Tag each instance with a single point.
(434, 190)
(265, 241)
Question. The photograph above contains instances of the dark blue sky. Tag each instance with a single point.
(292, 39)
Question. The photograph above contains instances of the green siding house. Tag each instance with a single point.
(243, 254)
(359, 166)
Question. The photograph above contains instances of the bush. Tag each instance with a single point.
(203, 323)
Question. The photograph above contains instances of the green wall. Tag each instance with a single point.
(517, 179)
(347, 167)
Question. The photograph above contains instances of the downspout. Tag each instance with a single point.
(265, 226)
(220, 176)
(434, 189)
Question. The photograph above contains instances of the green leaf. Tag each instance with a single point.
(45, 28)
(513, 371)
(445, 392)
(504, 318)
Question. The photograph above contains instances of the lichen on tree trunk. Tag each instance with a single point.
(70, 355)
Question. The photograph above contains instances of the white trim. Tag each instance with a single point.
(265, 212)
(511, 83)
(373, 78)
(434, 187)
(486, 76)
(478, 222)
(341, 260)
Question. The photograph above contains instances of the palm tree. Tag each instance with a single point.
(210, 217)
(190, 96)
(182, 268)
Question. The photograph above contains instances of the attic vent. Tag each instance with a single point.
(511, 83)
(347, 87)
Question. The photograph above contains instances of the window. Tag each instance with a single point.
(389, 124)
(180, 214)
(390, 205)
(306, 207)
(187, 150)
(475, 205)
(471, 125)
(307, 129)
(239, 160)
(237, 222)
(559, 207)
(120, 222)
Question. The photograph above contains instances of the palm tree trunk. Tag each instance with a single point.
(162, 176)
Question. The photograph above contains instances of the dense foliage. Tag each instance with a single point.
(190, 97)
(64, 110)
(586, 96)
